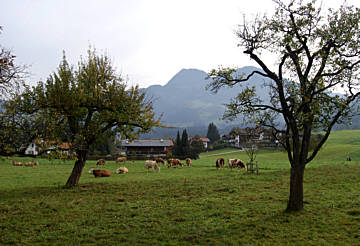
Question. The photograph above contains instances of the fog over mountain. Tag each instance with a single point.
(184, 101)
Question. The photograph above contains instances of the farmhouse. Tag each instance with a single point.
(34, 147)
(147, 147)
(261, 137)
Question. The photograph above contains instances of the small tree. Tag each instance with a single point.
(251, 149)
(212, 133)
(319, 54)
(90, 102)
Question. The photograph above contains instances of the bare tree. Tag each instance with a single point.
(11, 75)
(317, 54)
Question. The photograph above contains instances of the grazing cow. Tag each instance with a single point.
(159, 160)
(232, 162)
(188, 162)
(149, 164)
(156, 167)
(178, 163)
(174, 163)
(122, 170)
(100, 162)
(169, 161)
(17, 163)
(121, 159)
(220, 162)
(237, 163)
(100, 173)
(31, 164)
(240, 164)
(152, 164)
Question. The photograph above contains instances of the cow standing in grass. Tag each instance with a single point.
(101, 162)
(188, 162)
(220, 162)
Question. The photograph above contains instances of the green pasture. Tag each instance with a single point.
(185, 206)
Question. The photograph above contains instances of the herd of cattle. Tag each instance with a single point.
(149, 164)
(27, 164)
(153, 164)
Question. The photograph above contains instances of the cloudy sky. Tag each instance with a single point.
(148, 40)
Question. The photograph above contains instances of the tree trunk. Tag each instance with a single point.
(295, 202)
(77, 170)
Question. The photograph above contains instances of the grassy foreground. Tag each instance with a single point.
(188, 206)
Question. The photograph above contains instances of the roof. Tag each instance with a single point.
(147, 143)
(64, 145)
(205, 139)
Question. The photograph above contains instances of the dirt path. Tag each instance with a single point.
(224, 153)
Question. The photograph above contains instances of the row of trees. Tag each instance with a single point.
(185, 147)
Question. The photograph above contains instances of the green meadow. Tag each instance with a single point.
(185, 206)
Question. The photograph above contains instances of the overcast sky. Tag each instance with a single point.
(150, 41)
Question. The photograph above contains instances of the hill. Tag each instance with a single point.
(184, 101)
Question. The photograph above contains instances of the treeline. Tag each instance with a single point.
(187, 148)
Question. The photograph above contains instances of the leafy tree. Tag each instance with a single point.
(18, 129)
(196, 147)
(212, 133)
(91, 101)
(185, 145)
(319, 53)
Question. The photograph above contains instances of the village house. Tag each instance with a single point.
(146, 147)
(33, 148)
(261, 138)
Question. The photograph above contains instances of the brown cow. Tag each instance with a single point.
(188, 162)
(100, 162)
(232, 162)
(120, 159)
(170, 162)
(17, 163)
(101, 173)
(236, 163)
(220, 163)
(159, 160)
(31, 164)
(240, 164)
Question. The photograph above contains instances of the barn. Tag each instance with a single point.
(146, 147)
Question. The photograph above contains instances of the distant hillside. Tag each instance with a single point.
(185, 103)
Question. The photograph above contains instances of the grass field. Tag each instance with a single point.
(187, 206)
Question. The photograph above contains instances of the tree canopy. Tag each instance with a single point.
(88, 103)
(318, 56)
